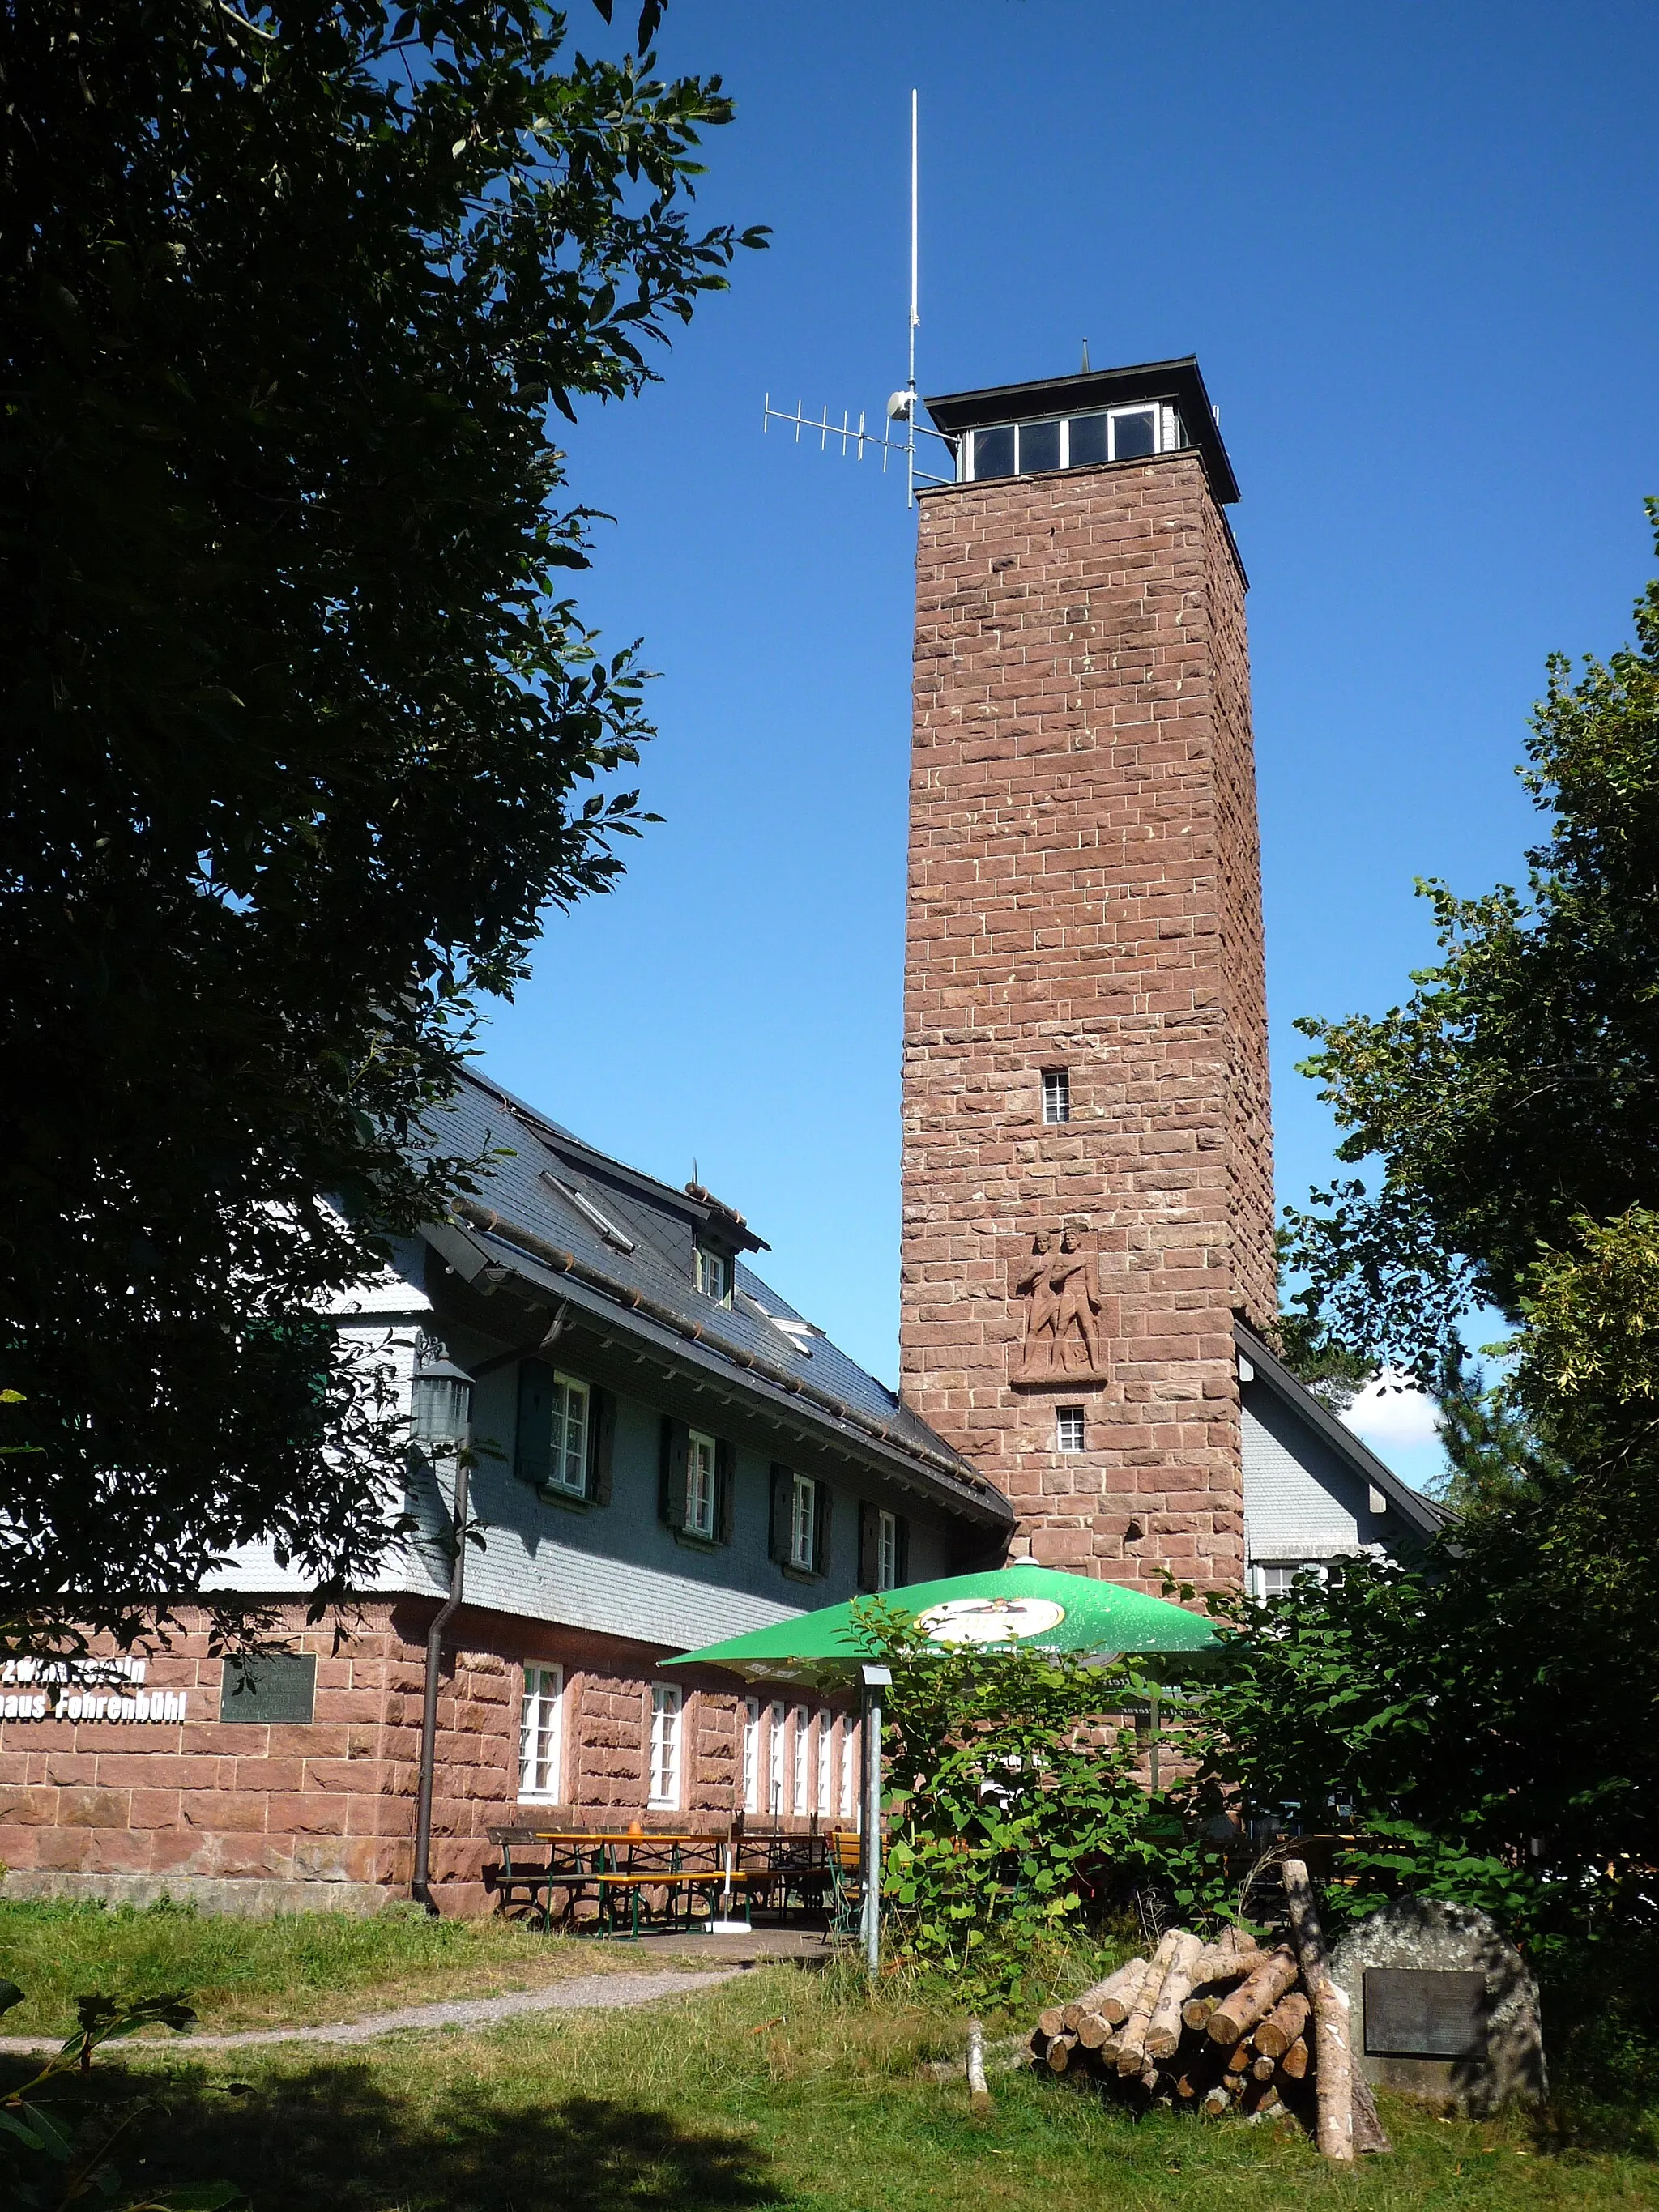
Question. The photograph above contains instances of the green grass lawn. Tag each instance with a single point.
(255, 1973)
(784, 2088)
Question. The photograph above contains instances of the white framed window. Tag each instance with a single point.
(752, 1730)
(665, 1775)
(887, 1550)
(1068, 1429)
(775, 1762)
(826, 1795)
(849, 1769)
(799, 1778)
(802, 1523)
(1056, 1095)
(541, 1733)
(568, 1456)
(701, 1458)
(1278, 1579)
(1078, 441)
(714, 1275)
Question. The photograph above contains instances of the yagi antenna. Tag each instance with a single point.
(901, 407)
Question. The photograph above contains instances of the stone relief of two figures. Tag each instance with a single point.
(1062, 1314)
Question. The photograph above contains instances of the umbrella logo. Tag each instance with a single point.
(989, 1620)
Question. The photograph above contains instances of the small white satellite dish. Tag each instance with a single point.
(899, 406)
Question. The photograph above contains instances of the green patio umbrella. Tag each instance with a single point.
(1023, 1605)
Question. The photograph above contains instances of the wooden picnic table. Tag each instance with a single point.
(609, 1864)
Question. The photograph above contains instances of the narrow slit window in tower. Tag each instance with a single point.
(1056, 1094)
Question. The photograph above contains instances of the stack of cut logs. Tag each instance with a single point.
(1224, 2026)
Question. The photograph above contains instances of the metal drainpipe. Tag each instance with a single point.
(420, 1888)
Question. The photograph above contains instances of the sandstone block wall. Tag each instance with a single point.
(1084, 893)
(119, 1806)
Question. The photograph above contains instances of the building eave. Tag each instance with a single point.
(1421, 1513)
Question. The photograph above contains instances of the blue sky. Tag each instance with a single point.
(1413, 250)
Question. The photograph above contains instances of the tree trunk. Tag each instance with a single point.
(1282, 2025)
(1294, 2063)
(979, 2096)
(1370, 2135)
(1239, 2011)
(1333, 2051)
(1131, 2043)
(1164, 2029)
(1111, 1998)
(1059, 2053)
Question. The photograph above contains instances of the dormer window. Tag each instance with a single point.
(713, 1274)
(1072, 442)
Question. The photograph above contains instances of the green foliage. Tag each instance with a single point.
(1017, 1804)
(48, 2162)
(1454, 1729)
(304, 732)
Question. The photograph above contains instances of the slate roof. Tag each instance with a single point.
(562, 1215)
(1418, 1512)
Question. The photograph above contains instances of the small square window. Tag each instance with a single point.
(1039, 447)
(803, 1525)
(1068, 1429)
(1134, 433)
(701, 1461)
(714, 1275)
(1087, 440)
(1056, 1094)
(994, 451)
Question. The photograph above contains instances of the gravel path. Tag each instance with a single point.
(586, 1993)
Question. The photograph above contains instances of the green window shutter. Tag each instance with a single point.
(869, 1545)
(532, 1447)
(676, 1450)
(726, 1484)
(902, 1565)
(823, 1508)
(783, 1501)
(601, 1442)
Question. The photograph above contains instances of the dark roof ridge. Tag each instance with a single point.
(565, 1144)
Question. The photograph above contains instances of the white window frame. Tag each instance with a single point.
(1283, 1574)
(713, 1272)
(540, 1734)
(826, 1765)
(752, 1730)
(1115, 415)
(569, 1392)
(1056, 1097)
(850, 1768)
(775, 1762)
(803, 1524)
(1165, 435)
(701, 1483)
(1071, 1429)
(800, 1748)
(667, 1715)
(886, 1549)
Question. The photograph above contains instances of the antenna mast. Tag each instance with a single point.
(901, 407)
(910, 413)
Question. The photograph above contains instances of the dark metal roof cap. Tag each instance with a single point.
(1090, 390)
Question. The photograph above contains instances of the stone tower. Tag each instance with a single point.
(1087, 1165)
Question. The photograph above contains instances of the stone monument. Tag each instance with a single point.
(1442, 2006)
